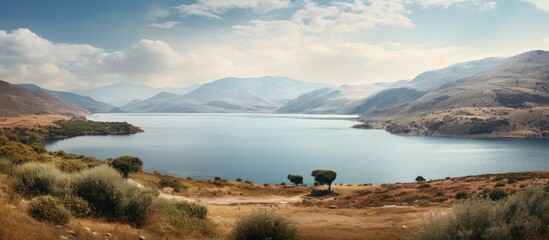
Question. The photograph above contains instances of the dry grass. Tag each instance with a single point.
(221, 188)
(362, 211)
(31, 121)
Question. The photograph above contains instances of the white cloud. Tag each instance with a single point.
(214, 8)
(26, 57)
(489, 5)
(541, 4)
(156, 13)
(283, 48)
(352, 16)
(443, 3)
(164, 25)
(145, 57)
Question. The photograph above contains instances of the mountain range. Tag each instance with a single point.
(84, 102)
(506, 97)
(17, 101)
(263, 94)
(122, 93)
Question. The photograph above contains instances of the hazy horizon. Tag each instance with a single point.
(66, 45)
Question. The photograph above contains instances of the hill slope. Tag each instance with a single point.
(18, 101)
(87, 103)
(510, 98)
(264, 94)
(122, 93)
(339, 100)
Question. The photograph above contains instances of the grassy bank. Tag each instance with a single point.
(79, 127)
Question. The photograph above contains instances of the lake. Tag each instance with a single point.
(265, 148)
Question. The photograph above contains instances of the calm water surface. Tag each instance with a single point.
(266, 148)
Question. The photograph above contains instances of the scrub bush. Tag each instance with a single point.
(263, 225)
(34, 179)
(112, 197)
(49, 209)
(523, 215)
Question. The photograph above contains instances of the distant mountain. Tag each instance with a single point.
(337, 100)
(452, 73)
(509, 97)
(17, 101)
(119, 94)
(87, 103)
(264, 94)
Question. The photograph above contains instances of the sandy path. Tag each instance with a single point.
(229, 201)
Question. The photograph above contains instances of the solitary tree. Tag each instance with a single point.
(127, 164)
(324, 177)
(420, 179)
(296, 179)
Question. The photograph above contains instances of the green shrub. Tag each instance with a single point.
(192, 209)
(111, 196)
(38, 147)
(166, 182)
(497, 194)
(127, 164)
(420, 179)
(499, 184)
(263, 225)
(76, 205)
(439, 194)
(3, 140)
(49, 209)
(187, 217)
(33, 179)
(19, 153)
(72, 166)
(523, 215)
(424, 185)
(6, 166)
(462, 195)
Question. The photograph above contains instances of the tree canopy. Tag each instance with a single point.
(295, 179)
(324, 177)
(127, 164)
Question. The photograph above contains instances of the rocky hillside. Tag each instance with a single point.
(507, 98)
(18, 101)
(87, 103)
(338, 100)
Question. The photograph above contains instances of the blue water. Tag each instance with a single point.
(266, 148)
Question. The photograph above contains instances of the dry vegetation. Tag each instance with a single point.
(470, 122)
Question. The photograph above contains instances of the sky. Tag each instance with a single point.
(69, 44)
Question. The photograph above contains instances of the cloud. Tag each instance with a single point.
(545, 40)
(145, 57)
(156, 13)
(26, 57)
(352, 16)
(541, 4)
(164, 25)
(443, 3)
(215, 8)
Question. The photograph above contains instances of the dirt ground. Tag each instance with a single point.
(30, 121)
(325, 223)
(365, 211)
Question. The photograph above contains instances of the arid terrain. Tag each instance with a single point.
(356, 211)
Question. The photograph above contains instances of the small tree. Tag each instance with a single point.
(127, 164)
(420, 179)
(324, 177)
(295, 179)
